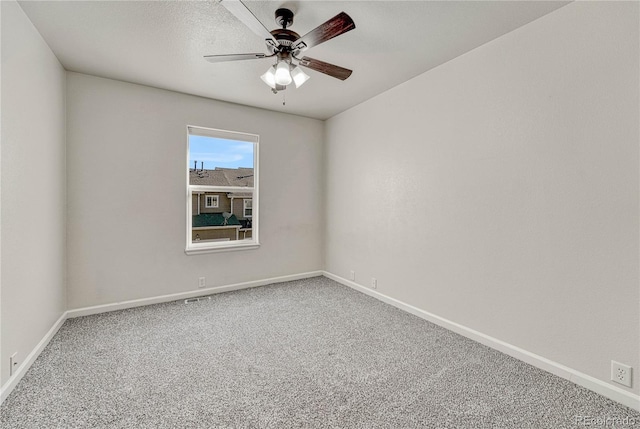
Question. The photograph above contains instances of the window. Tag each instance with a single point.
(246, 212)
(211, 201)
(222, 170)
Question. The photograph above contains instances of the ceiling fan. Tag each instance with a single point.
(286, 46)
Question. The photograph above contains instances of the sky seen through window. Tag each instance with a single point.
(216, 152)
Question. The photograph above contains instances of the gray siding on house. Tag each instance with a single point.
(224, 204)
(238, 208)
(222, 177)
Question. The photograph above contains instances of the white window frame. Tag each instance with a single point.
(194, 248)
(244, 207)
(213, 206)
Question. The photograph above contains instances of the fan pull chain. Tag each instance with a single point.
(284, 100)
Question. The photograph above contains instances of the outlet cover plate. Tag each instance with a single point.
(202, 282)
(13, 363)
(621, 373)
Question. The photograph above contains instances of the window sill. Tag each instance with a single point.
(223, 248)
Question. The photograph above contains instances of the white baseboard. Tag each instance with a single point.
(86, 311)
(31, 358)
(614, 393)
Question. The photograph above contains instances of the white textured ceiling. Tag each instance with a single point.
(161, 44)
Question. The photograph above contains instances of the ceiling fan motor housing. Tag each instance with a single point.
(285, 37)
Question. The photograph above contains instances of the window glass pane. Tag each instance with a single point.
(247, 212)
(211, 201)
(219, 214)
(220, 162)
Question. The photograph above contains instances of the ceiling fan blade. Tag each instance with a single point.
(326, 68)
(339, 24)
(233, 57)
(240, 11)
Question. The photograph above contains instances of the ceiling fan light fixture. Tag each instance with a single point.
(283, 74)
(270, 77)
(299, 77)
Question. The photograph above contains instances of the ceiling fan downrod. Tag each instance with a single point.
(284, 17)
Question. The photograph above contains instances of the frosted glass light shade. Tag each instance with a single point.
(299, 77)
(283, 75)
(270, 77)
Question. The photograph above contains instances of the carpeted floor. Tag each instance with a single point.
(304, 354)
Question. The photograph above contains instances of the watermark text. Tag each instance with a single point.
(612, 422)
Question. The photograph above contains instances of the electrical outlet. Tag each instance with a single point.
(352, 275)
(374, 283)
(621, 373)
(202, 282)
(13, 363)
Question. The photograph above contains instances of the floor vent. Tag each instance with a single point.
(201, 298)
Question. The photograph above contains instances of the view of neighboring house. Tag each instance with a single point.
(221, 215)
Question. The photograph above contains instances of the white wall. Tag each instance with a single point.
(500, 190)
(33, 187)
(126, 192)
